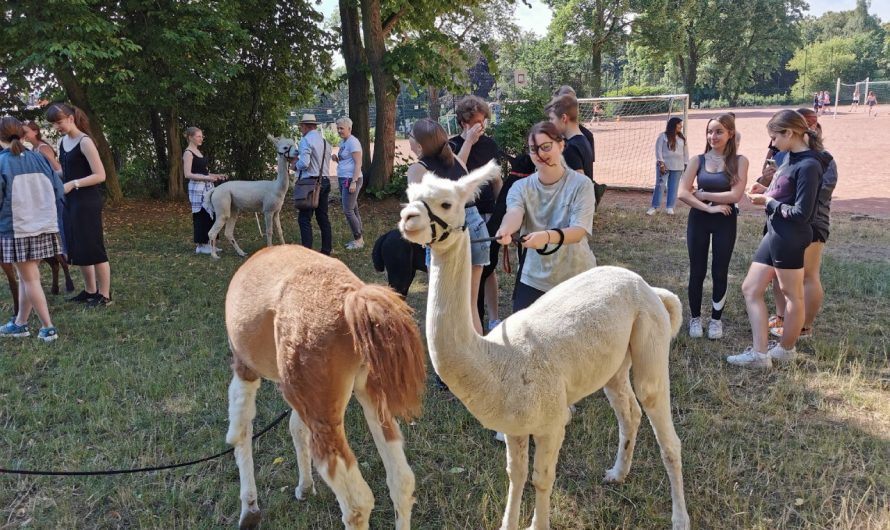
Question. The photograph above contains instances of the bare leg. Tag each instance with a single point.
(791, 282)
(491, 296)
(388, 439)
(103, 278)
(753, 287)
(627, 411)
(242, 410)
(89, 278)
(517, 471)
(813, 294)
(778, 298)
(302, 438)
(546, 454)
(32, 293)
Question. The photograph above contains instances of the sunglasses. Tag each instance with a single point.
(545, 147)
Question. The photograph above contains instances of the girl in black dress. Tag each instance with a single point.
(82, 172)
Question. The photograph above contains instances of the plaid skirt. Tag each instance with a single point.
(17, 250)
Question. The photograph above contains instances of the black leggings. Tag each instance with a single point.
(700, 230)
(202, 223)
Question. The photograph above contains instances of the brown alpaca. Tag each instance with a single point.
(305, 321)
(54, 263)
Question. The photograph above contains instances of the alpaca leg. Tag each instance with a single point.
(651, 382)
(214, 232)
(341, 473)
(270, 227)
(627, 411)
(388, 439)
(54, 267)
(302, 438)
(544, 475)
(278, 226)
(13, 285)
(69, 283)
(517, 472)
(242, 409)
(230, 234)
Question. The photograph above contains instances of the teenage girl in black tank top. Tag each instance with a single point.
(711, 192)
(82, 175)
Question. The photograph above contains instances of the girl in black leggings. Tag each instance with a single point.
(712, 184)
(790, 203)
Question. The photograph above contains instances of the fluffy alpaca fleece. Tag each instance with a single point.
(400, 259)
(305, 321)
(520, 379)
(266, 196)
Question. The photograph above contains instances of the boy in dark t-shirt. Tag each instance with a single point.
(578, 154)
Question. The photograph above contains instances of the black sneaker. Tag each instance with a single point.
(99, 301)
(83, 297)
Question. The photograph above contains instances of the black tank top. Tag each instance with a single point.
(715, 182)
(199, 164)
(74, 163)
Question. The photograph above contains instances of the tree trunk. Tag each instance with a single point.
(690, 77)
(596, 74)
(357, 76)
(435, 104)
(175, 177)
(160, 140)
(386, 90)
(77, 95)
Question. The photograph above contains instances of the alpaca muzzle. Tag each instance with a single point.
(435, 221)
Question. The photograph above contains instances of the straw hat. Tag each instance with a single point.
(309, 118)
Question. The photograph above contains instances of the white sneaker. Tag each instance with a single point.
(499, 436)
(651, 211)
(715, 329)
(750, 359)
(355, 245)
(695, 330)
(670, 211)
(779, 354)
(202, 249)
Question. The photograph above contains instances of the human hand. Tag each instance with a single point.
(758, 199)
(503, 237)
(68, 186)
(335, 158)
(473, 134)
(352, 187)
(725, 209)
(757, 188)
(536, 240)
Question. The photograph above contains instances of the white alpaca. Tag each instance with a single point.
(266, 196)
(520, 379)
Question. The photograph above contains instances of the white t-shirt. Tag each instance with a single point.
(568, 202)
(346, 166)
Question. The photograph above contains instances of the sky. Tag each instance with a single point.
(537, 17)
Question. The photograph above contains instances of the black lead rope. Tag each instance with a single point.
(266, 429)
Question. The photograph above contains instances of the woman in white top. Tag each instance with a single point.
(349, 177)
(671, 154)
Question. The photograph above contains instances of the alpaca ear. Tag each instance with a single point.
(468, 186)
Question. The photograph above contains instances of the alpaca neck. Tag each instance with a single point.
(282, 182)
(461, 357)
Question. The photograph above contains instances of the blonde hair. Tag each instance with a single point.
(790, 120)
(191, 132)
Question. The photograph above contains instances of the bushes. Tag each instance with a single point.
(640, 90)
(752, 100)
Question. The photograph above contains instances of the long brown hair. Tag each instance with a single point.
(433, 141)
(670, 130)
(12, 132)
(58, 111)
(730, 154)
(790, 120)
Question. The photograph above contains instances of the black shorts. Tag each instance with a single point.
(784, 245)
(820, 235)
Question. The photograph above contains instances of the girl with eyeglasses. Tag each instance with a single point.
(552, 209)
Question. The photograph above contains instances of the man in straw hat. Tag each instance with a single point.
(313, 162)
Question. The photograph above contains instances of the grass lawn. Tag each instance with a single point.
(144, 382)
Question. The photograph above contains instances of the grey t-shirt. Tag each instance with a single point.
(566, 203)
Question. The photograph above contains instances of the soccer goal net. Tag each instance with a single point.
(624, 133)
(853, 94)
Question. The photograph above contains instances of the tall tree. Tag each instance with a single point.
(356, 75)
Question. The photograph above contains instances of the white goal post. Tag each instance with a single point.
(624, 133)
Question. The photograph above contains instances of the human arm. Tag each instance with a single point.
(98, 170)
(50, 156)
(806, 189)
(732, 196)
(470, 136)
(686, 191)
(305, 156)
(660, 147)
(356, 172)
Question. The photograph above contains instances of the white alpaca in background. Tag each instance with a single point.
(581, 336)
(267, 196)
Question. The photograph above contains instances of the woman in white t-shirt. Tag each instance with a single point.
(553, 211)
(349, 176)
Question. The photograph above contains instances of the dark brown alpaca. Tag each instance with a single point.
(303, 320)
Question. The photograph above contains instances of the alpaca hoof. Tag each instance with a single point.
(681, 523)
(214, 255)
(301, 492)
(614, 477)
(250, 519)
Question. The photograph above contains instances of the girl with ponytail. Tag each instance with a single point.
(429, 142)
(82, 173)
(790, 204)
(29, 228)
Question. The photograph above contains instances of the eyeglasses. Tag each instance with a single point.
(545, 147)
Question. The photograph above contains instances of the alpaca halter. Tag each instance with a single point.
(436, 220)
